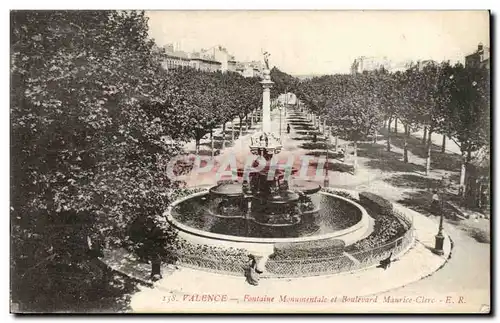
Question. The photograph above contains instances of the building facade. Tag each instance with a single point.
(480, 58)
(232, 64)
(250, 69)
(429, 62)
(363, 63)
(287, 99)
(172, 61)
(206, 65)
(220, 54)
(213, 59)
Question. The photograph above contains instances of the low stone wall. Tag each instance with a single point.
(227, 263)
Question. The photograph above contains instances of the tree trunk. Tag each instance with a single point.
(443, 147)
(336, 143)
(375, 135)
(197, 146)
(355, 162)
(324, 125)
(241, 127)
(396, 126)
(461, 187)
(389, 134)
(424, 138)
(405, 144)
(251, 119)
(463, 174)
(429, 149)
(212, 142)
(224, 135)
(232, 130)
(156, 268)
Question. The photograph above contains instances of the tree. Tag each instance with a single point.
(358, 113)
(409, 102)
(467, 112)
(87, 141)
(426, 99)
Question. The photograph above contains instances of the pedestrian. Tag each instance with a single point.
(288, 128)
(252, 273)
(315, 137)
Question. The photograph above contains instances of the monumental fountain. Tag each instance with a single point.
(268, 204)
(269, 211)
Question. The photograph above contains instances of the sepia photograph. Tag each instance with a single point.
(250, 161)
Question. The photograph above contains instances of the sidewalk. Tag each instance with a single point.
(417, 263)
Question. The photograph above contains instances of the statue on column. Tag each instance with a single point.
(266, 59)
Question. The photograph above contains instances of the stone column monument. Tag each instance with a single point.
(267, 84)
(266, 143)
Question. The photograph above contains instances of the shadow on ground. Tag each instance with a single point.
(319, 144)
(322, 153)
(421, 201)
(446, 161)
(335, 167)
(388, 161)
(394, 166)
(413, 181)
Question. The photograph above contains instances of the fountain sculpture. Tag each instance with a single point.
(266, 196)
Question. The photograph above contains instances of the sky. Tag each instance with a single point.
(325, 42)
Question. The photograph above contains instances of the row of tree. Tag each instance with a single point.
(93, 118)
(450, 100)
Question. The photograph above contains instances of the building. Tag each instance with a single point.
(213, 59)
(250, 69)
(203, 64)
(429, 62)
(401, 66)
(363, 63)
(240, 67)
(221, 55)
(288, 98)
(175, 59)
(232, 64)
(480, 58)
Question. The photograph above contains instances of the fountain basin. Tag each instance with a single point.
(361, 228)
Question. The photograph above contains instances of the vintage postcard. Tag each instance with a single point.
(250, 161)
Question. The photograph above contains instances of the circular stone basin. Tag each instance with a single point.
(336, 217)
(306, 187)
(279, 171)
(228, 189)
(282, 198)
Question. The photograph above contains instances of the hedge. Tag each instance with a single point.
(309, 249)
(376, 203)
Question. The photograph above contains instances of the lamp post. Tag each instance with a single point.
(438, 246)
(439, 239)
